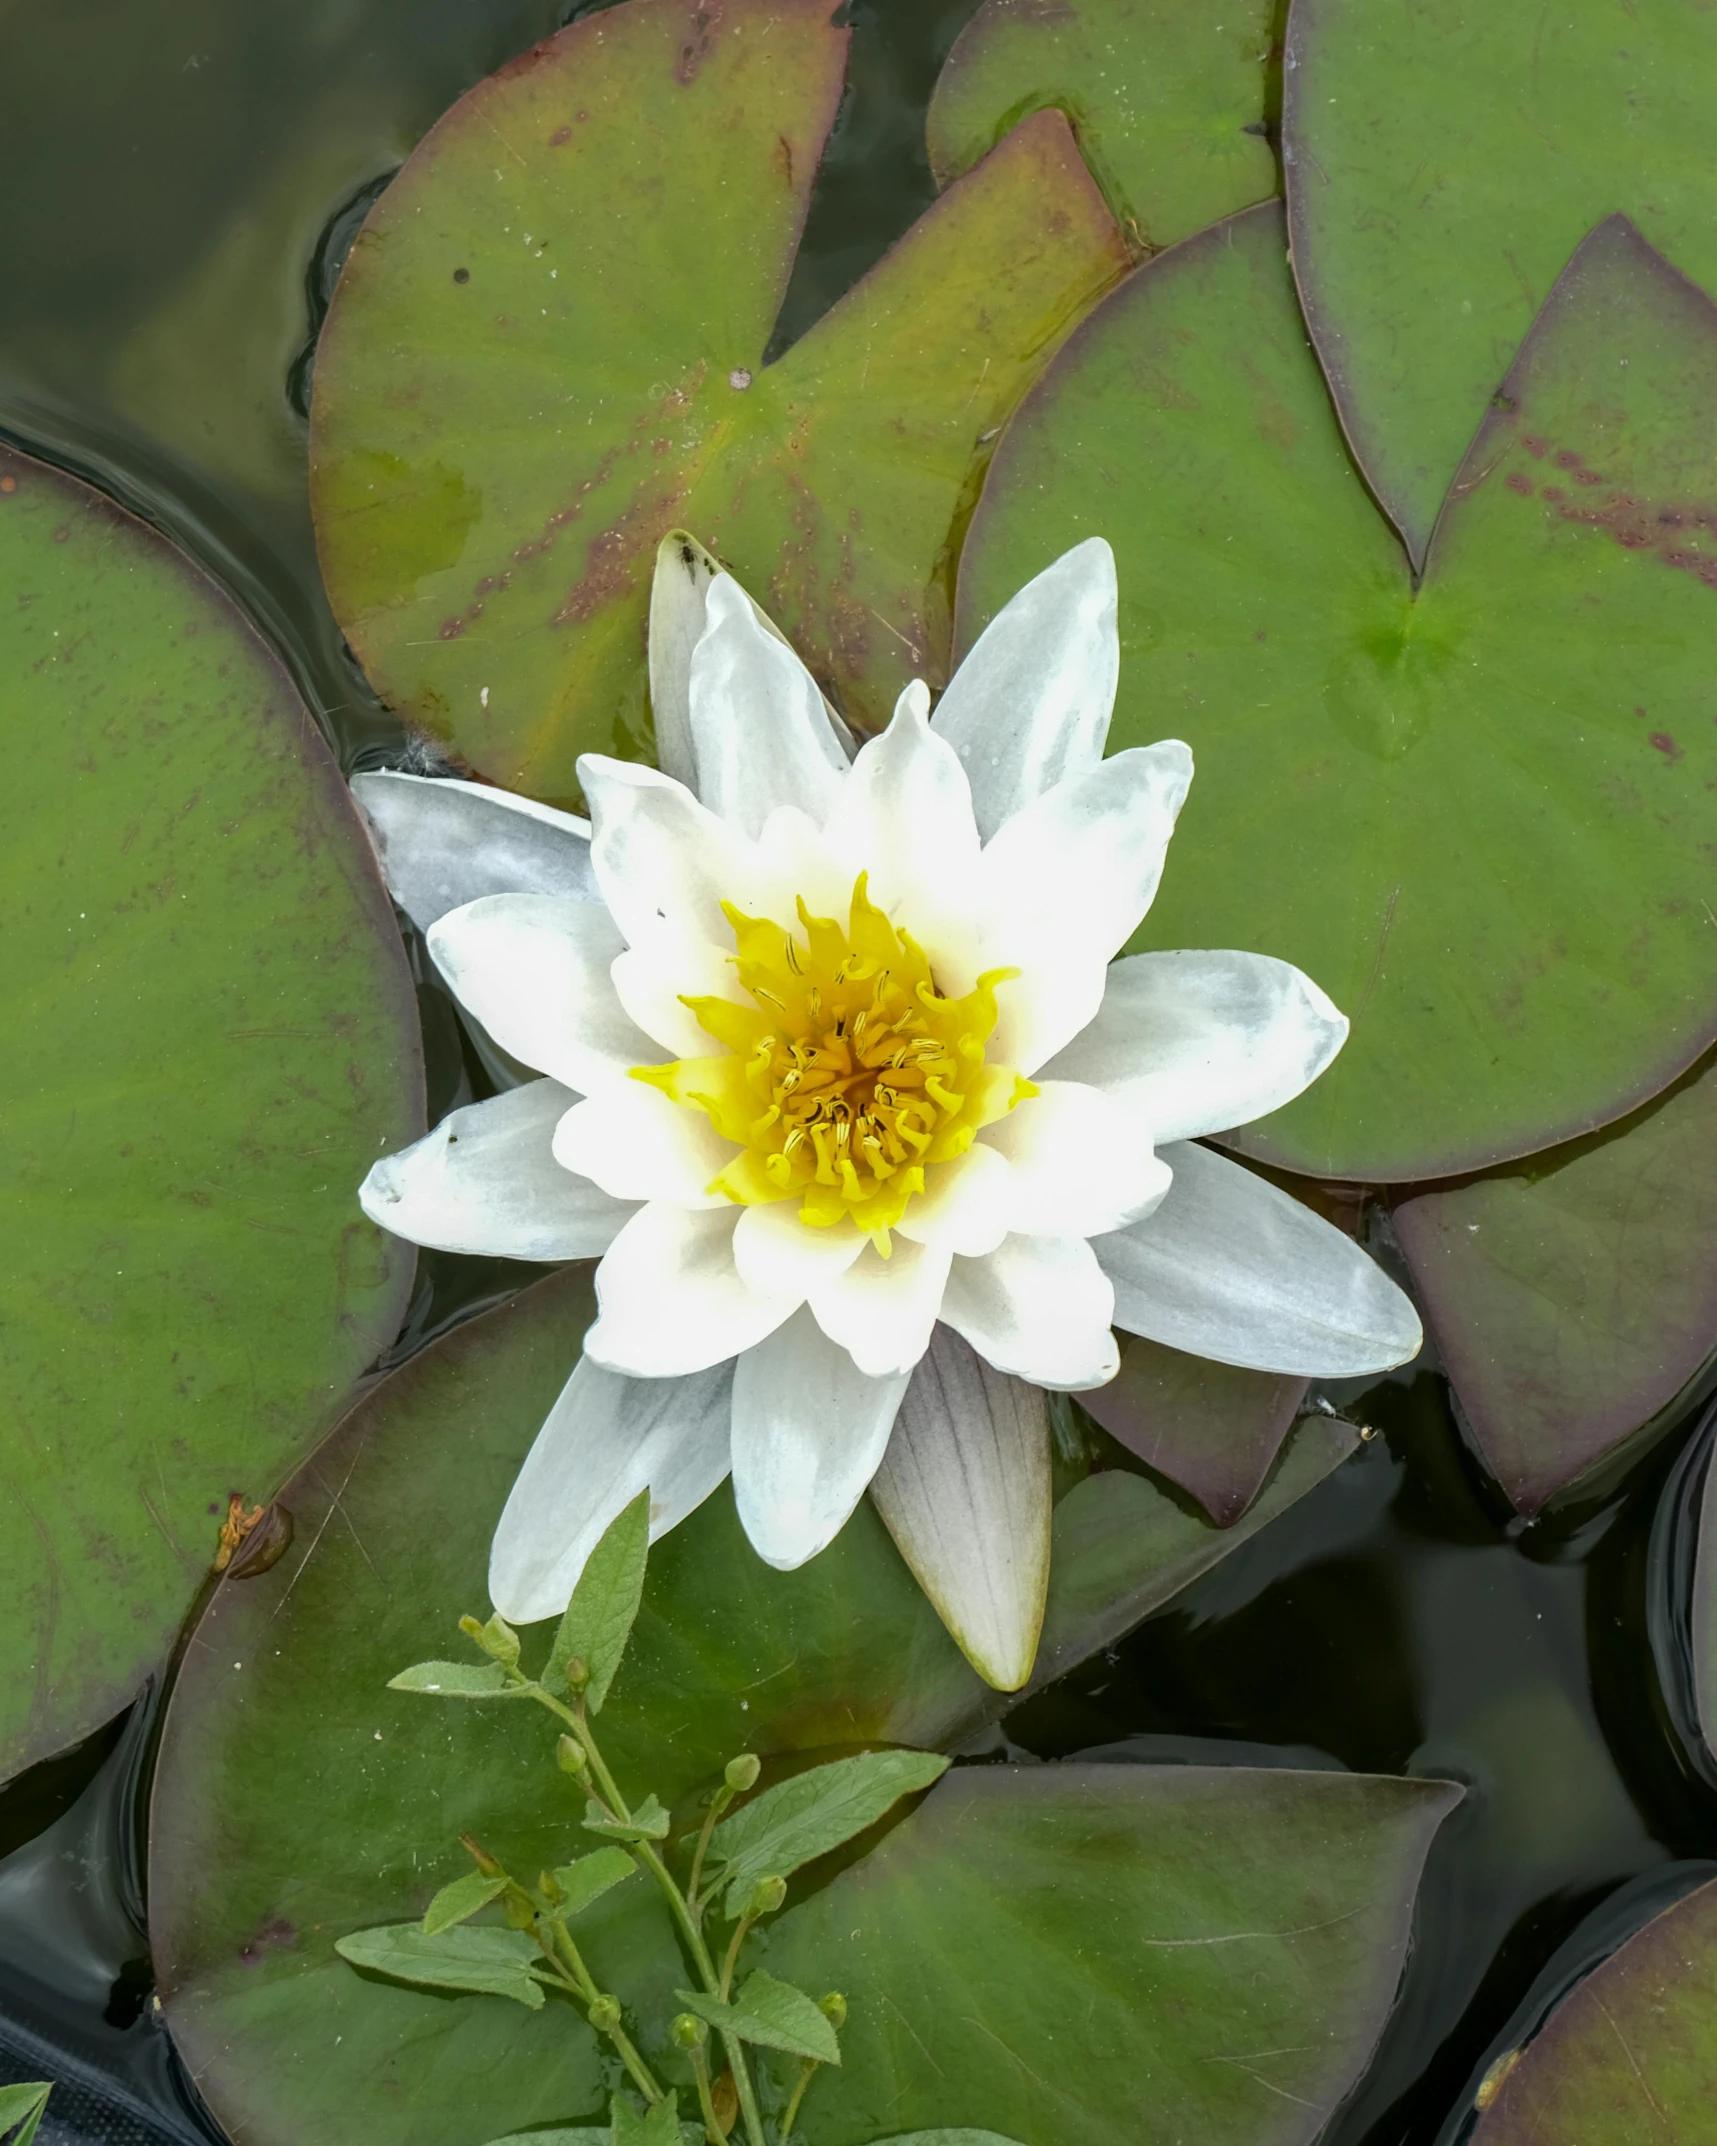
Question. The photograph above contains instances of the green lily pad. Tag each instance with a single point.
(547, 350)
(1226, 1945)
(298, 1799)
(1573, 1296)
(1168, 103)
(212, 1035)
(1482, 811)
(1444, 162)
(1212, 1428)
(1631, 2054)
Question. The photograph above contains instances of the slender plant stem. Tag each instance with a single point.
(585, 1983)
(807, 2071)
(713, 2132)
(710, 1817)
(741, 1931)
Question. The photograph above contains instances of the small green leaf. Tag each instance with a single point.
(648, 1821)
(598, 1619)
(456, 1680)
(773, 2015)
(495, 1963)
(659, 2126)
(801, 1819)
(460, 1899)
(591, 1876)
(23, 2105)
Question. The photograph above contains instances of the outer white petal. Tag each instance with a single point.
(533, 969)
(1040, 1307)
(485, 1181)
(671, 1299)
(684, 571)
(638, 1144)
(882, 1311)
(653, 978)
(1231, 1268)
(808, 1432)
(659, 855)
(1079, 1163)
(444, 843)
(1031, 703)
(1063, 887)
(1197, 1042)
(965, 1204)
(964, 1489)
(605, 1439)
(779, 1255)
(758, 727)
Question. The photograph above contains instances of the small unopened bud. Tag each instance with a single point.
(834, 2009)
(497, 1638)
(480, 1855)
(548, 1888)
(766, 1896)
(688, 2031)
(577, 1673)
(605, 2014)
(518, 1911)
(569, 1755)
(742, 1772)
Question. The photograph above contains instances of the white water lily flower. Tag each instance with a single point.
(874, 1137)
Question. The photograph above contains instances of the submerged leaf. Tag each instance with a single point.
(800, 1819)
(494, 1963)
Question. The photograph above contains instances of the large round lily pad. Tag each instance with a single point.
(1168, 102)
(1631, 2055)
(1444, 161)
(1573, 1296)
(1117, 1953)
(1480, 811)
(297, 1798)
(547, 350)
(211, 1035)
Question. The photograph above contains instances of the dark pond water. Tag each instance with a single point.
(181, 178)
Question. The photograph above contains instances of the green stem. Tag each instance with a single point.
(585, 1983)
(713, 2132)
(741, 1931)
(710, 1818)
(806, 2071)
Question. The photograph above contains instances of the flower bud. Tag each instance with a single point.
(742, 1772)
(548, 1888)
(480, 1855)
(497, 1638)
(518, 1911)
(766, 1896)
(577, 1673)
(834, 2009)
(605, 2014)
(569, 1755)
(688, 2031)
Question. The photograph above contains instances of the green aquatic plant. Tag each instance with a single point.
(21, 2109)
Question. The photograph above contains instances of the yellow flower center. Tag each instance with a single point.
(849, 1077)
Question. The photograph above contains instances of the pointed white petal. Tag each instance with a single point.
(1079, 1163)
(808, 1431)
(684, 571)
(653, 978)
(638, 1144)
(1040, 1307)
(1232, 1268)
(658, 854)
(758, 726)
(605, 1439)
(905, 819)
(779, 1255)
(485, 1181)
(671, 1299)
(534, 971)
(1193, 1043)
(881, 1311)
(444, 843)
(965, 1204)
(1064, 886)
(964, 1489)
(1031, 704)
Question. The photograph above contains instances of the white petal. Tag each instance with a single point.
(444, 843)
(1064, 886)
(1079, 1163)
(485, 1181)
(671, 1299)
(638, 1144)
(964, 1489)
(684, 571)
(1031, 704)
(965, 1204)
(1195, 1043)
(1232, 1268)
(882, 1310)
(534, 971)
(781, 1256)
(1040, 1307)
(653, 978)
(758, 726)
(605, 1439)
(808, 1432)
(658, 854)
